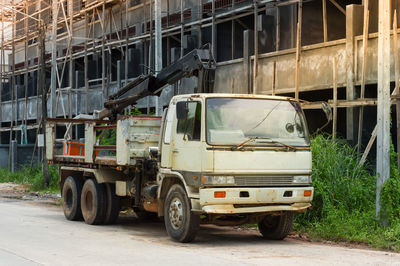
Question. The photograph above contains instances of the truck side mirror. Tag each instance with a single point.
(182, 110)
(327, 110)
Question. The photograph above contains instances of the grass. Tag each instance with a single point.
(32, 177)
(344, 199)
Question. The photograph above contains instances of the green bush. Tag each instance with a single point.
(344, 198)
(390, 194)
(33, 177)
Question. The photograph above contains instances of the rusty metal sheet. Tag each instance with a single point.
(77, 121)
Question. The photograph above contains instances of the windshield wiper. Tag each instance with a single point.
(240, 145)
(290, 147)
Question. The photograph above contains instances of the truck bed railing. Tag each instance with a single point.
(73, 150)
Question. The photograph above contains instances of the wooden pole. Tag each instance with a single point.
(86, 62)
(364, 66)
(334, 73)
(127, 37)
(53, 79)
(42, 77)
(71, 62)
(278, 29)
(325, 24)
(298, 49)
(12, 86)
(396, 75)
(255, 66)
(103, 52)
(213, 29)
(273, 78)
(25, 117)
(296, 92)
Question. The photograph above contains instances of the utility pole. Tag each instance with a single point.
(383, 124)
(42, 77)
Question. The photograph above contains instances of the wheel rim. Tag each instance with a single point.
(270, 222)
(176, 213)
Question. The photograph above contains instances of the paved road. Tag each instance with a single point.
(37, 234)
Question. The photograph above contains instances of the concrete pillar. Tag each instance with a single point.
(383, 117)
(354, 24)
(79, 83)
(119, 69)
(175, 55)
(13, 150)
(248, 50)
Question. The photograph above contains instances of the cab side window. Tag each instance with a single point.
(191, 126)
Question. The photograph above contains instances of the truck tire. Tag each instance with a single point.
(112, 204)
(71, 198)
(276, 227)
(93, 202)
(181, 223)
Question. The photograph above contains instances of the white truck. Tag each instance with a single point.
(224, 159)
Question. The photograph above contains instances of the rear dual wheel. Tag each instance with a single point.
(100, 204)
(96, 203)
(113, 205)
(71, 198)
(93, 202)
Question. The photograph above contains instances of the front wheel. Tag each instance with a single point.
(276, 227)
(181, 223)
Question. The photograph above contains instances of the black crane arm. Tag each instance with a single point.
(198, 62)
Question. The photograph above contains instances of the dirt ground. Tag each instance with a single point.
(21, 192)
(33, 231)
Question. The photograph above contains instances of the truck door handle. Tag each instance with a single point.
(175, 151)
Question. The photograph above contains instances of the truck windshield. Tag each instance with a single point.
(255, 122)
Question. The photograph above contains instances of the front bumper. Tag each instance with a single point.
(253, 200)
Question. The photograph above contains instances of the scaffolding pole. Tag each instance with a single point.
(158, 48)
(53, 81)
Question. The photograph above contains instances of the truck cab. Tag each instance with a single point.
(238, 158)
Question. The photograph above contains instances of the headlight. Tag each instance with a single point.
(219, 180)
(302, 179)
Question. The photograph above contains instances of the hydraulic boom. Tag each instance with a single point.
(198, 62)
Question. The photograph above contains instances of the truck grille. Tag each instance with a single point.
(263, 180)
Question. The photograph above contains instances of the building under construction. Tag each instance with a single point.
(80, 52)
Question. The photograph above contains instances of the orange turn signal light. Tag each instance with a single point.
(307, 193)
(219, 194)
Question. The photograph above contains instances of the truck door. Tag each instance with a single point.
(186, 145)
(167, 135)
